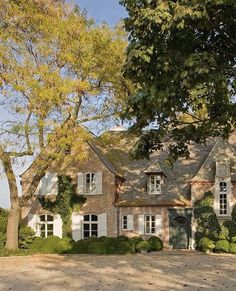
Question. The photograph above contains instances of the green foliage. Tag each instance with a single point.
(224, 233)
(80, 247)
(207, 222)
(232, 248)
(26, 237)
(155, 243)
(66, 200)
(51, 245)
(136, 240)
(178, 52)
(97, 248)
(143, 246)
(222, 246)
(233, 214)
(122, 238)
(3, 238)
(3, 220)
(206, 244)
(231, 227)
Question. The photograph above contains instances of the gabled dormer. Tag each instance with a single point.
(155, 179)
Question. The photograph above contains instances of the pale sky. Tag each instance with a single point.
(109, 11)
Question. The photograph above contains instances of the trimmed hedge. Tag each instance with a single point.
(143, 246)
(155, 243)
(98, 248)
(51, 245)
(222, 246)
(232, 248)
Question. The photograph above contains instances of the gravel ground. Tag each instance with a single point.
(167, 270)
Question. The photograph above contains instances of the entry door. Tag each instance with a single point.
(180, 233)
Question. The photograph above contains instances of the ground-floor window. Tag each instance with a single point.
(90, 225)
(124, 222)
(223, 203)
(149, 224)
(45, 225)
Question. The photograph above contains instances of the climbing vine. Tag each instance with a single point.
(66, 201)
(207, 222)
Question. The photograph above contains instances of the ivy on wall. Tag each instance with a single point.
(205, 216)
(66, 201)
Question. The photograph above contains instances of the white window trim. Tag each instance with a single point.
(156, 177)
(151, 216)
(89, 222)
(46, 223)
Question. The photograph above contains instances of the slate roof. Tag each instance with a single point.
(177, 183)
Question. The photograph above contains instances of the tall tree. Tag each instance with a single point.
(182, 60)
(57, 71)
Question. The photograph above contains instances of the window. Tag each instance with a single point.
(90, 225)
(90, 183)
(150, 226)
(223, 205)
(45, 225)
(124, 222)
(154, 184)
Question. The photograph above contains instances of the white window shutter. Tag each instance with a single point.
(102, 224)
(80, 183)
(158, 225)
(98, 178)
(77, 221)
(57, 225)
(42, 185)
(52, 184)
(32, 222)
(130, 224)
(141, 224)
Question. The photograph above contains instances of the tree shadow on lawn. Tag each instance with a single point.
(153, 271)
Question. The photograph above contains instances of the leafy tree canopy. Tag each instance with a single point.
(181, 58)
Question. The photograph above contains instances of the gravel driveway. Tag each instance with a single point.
(167, 270)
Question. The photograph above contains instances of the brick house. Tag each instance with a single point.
(139, 197)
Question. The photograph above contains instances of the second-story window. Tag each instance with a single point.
(90, 183)
(223, 201)
(154, 184)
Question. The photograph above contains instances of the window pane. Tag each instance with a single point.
(86, 234)
(49, 218)
(94, 233)
(94, 218)
(86, 217)
(86, 226)
(42, 217)
(94, 226)
(50, 227)
(42, 233)
(42, 227)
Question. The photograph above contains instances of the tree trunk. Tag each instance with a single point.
(12, 229)
(14, 214)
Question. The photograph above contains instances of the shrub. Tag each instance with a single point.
(120, 247)
(155, 243)
(3, 238)
(136, 240)
(143, 246)
(233, 213)
(51, 245)
(3, 220)
(26, 237)
(222, 246)
(122, 238)
(231, 226)
(79, 247)
(97, 248)
(206, 244)
(232, 248)
(224, 233)
(233, 239)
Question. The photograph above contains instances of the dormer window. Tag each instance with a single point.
(154, 184)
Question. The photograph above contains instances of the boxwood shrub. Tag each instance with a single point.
(98, 248)
(232, 248)
(155, 243)
(143, 246)
(222, 246)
